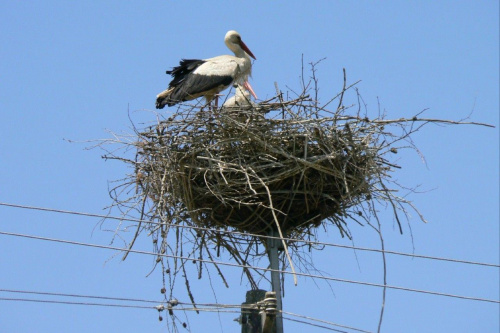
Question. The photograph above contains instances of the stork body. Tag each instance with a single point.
(240, 100)
(240, 106)
(195, 78)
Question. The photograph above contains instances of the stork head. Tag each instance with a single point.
(235, 44)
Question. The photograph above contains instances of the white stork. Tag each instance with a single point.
(240, 99)
(238, 104)
(194, 78)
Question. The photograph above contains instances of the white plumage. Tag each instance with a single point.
(240, 100)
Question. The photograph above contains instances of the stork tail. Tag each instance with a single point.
(163, 98)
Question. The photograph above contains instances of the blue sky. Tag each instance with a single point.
(72, 70)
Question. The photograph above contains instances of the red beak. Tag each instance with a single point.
(247, 50)
(249, 88)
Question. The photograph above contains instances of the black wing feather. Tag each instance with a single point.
(187, 85)
(179, 73)
(195, 84)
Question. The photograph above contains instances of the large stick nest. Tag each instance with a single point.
(225, 179)
(237, 169)
(284, 164)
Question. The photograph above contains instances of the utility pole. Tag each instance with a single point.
(261, 312)
(273, 245)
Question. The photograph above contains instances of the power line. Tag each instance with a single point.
(158, 308)
(76, 303)
(78, 296)
(252, 267)
(46, 293)
(205, 307)
(198, 307)
(249, 234)
(316, 325)
(218, 307)
(323, 321)
(147, 308)
(150, 308)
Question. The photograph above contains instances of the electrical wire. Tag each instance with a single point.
(114, 305)
(155, 308)
(252, 267)
(322, 321)
(205, 307)
(42, 293)
(219, 307)
(197, 306)
(76, 303)
(45, 293)
(317, 325)
(249, 234)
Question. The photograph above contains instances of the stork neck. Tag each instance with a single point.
(238, 51)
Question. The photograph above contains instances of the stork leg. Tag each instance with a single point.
(215, 107)
(217, 101)
(208, 103)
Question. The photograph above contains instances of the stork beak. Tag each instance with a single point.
(249, 88)
(247, 50)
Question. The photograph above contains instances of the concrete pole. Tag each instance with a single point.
(273, 247)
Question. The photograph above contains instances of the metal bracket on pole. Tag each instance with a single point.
(269, 312)
(250, 318)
